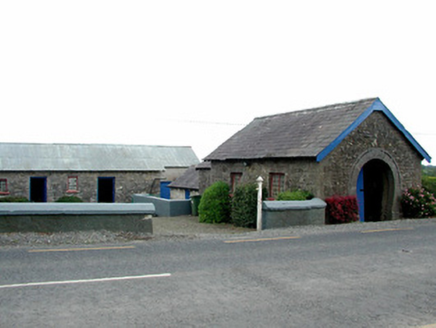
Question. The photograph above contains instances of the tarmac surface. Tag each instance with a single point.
(190, 225)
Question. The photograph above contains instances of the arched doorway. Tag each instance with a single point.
(375, 191)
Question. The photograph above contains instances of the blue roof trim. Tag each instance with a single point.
(377, 105)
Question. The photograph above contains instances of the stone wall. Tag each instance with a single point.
(281, 214)
(375, 138)
(126, 184)
(61, 217)
(177, 193)
(204, 179)
(299, 173)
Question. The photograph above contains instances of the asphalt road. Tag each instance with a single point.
(334, 279)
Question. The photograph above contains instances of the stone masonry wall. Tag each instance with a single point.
(299, 173)
(377, 133)
(204, 180)
(126, 184)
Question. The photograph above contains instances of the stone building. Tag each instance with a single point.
(357, 148)
(95, 173)
(186, 185)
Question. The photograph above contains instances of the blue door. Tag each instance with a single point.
(361, 196)
(165, 191)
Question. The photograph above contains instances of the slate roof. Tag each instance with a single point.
(188, 180)
(93, 157)
(307, 133)
(203, 166)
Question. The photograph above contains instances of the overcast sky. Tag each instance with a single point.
(195, 72)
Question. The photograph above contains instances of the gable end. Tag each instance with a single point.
(377, 105)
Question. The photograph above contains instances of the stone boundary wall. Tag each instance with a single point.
(59, 217)
(281, 214)
(165, 207)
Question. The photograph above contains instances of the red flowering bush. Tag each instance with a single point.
(341, 209)
(418, 203)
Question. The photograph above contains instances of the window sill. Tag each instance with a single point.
(5, 193)
(72, 191)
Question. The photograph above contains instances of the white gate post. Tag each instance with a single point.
(259, 181)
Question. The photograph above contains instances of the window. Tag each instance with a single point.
(276, 184)
(235, 179)
(73, 184)
(4, 187)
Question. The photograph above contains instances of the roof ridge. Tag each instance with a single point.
(318, 109)
(88, 144)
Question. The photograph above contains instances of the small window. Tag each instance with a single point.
(235, 179)
(73, 184)
(4, 187)
(276, 184)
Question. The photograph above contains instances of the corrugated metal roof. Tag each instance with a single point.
(93, 157)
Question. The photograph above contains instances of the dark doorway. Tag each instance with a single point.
(375, 191)
(38, 189)
(106, 190)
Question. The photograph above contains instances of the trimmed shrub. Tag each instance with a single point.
(295, 195)
(69, 199)
(14, 199)
(418, 203)
(244, 205)
(341, 209)
(215, 204)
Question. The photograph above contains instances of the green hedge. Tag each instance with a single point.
(69, 199)
(215, 204)
(244, 205)
(295, 195)
(13, 199)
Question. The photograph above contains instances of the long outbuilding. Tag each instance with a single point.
(93, 172)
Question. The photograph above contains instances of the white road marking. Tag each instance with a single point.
(66, 282)
(259, 239)
(386, 230)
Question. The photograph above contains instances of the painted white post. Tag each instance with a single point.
(259, 181)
